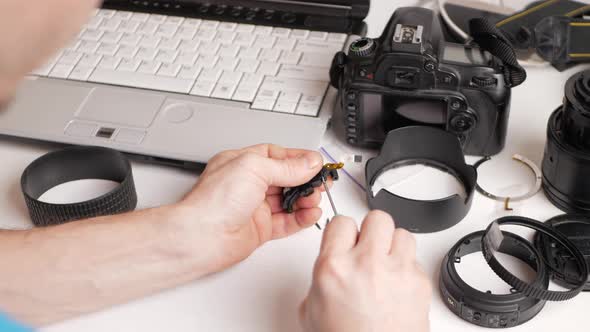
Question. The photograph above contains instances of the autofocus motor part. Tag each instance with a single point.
(484, 308)
(577, 229)
(291, 195)
(432, 147)
(566, 163)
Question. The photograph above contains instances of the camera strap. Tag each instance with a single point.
(556, 28)
(491, 39)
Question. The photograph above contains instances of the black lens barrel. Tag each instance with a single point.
(566, 163)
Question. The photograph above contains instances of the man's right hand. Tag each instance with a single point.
(367, 281)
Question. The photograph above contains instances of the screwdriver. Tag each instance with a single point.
(327, 190)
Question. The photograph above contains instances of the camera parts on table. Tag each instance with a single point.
(411, 76)
(566, 163)
(556, 29)
(526, 299)
(72, 164)
(432, 147)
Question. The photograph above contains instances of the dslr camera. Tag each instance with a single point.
(411, 76)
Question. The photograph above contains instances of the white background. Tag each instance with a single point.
(263, 293)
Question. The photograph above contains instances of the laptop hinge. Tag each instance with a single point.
(283, 13)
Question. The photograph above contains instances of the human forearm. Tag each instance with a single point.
(51, 274)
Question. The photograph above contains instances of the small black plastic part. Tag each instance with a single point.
(493, 239)
(484, 308)
(566, 163)
(291, 195)
(576, 228)
(78, 163)
(432, 147)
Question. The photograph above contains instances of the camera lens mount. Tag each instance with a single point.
(484, 308)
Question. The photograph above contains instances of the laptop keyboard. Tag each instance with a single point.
(273, 69)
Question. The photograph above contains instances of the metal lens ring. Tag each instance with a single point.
(576, 227)
(507, 199)
(493, 240)
(484, 308)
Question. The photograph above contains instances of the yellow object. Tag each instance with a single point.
(334, 166)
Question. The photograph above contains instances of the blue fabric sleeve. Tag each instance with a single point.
(8, 325)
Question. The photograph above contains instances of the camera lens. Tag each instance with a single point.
(576, 117)
(566, 164)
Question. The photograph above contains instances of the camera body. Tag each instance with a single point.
(412, 76)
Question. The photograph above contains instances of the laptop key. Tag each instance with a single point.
(109, 62)
(129, 65)
(90, 60)
(290, 58)
(268, 68)
(81, 73)
(61, 71)
(224, 90)
(203, 89)
(149, 67)
(70, 58)
(141, 80)
(169, 69)
(189, 72)
(323, 60)
(304, 73)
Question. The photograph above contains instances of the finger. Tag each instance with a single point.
(376, 232)
(274, 191)
(290, 172)
(264, 150)
(285, 224)
(403, 246)
(339, 236)
(273, 151)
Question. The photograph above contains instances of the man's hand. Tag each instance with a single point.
(30, 32)
(237, 199)
(368, 281)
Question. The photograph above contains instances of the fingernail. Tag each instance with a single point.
(313, 160)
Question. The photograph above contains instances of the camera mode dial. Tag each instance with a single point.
(363, 47)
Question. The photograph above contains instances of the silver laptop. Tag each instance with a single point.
(179, 81)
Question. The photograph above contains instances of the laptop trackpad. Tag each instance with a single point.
(130, 108)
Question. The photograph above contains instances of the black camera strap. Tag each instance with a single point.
(491, 39)
(555, 28)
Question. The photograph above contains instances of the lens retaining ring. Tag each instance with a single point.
(484, 308)
(493, 239)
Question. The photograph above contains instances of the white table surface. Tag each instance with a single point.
(262, 294)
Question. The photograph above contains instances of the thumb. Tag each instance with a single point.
(288, 172)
